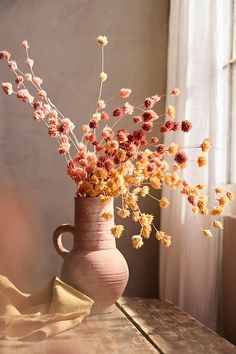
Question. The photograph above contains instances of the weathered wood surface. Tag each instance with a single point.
(101, 334)
(171, 330)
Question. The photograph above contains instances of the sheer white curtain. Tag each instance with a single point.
(198, 48)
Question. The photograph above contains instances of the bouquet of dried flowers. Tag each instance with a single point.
(116, 162)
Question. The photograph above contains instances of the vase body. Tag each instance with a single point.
(94, 266)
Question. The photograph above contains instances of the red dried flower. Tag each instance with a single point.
(19, 80)
(93, 124)
(186, 126)
(118, 112)
(192, 199)
(122, 135)
(105, 116)
(181, 157)
(161, 148)
(176, 126)
(169, 124)
(149, 102)
(4, 55)
(175, 92)
(149, 115)
(147, 127)
(164, 129)
(137, 119)
(154, 140)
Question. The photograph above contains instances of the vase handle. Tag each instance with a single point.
(57, 239)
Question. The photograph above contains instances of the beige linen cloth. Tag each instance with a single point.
(31, 317)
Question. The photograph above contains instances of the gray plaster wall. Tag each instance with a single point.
(36, 195)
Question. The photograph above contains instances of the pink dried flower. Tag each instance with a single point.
(127, 108)
(122, 135)
(42, 94)
(139, 134)
(137, 119)
(164, 129)
(192, 199)
(37, 80)
(29, 62)
(39, 114)
(118, 112)
(4, 55)
(52, 131)
(93, 124)
(64, 148)
(149, 115)
(149, 102)
(147, 126)
(107, 133)
(109, 164)
(176, 167)
(64, 139)
(176, 126)
(156, 98)
(19, 80)
(105, 116)
(53, 121)
(46, 109)
(161, 148)
(25, 95)
(185, 184)
(25, 44)
(154, 140)
(28, 77)
(175, 92)
(101, 104)
(53, 114)
(38, 104)
(169, 124)
(7, 88)
(66, 126)
(12, 65)
(186, 126)
(181, 157)
(125, 92)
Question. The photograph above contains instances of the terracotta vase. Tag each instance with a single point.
(94, 266)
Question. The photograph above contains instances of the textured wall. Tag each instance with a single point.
(36, 194)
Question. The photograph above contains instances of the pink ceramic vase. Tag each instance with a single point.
(94, 266)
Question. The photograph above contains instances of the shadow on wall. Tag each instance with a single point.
(23, 259)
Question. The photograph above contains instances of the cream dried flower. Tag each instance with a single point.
(123, 213)
(217, 224)
(117, 230)
(207, 233)
(137, 241)
(103, 76)
(164, 202)
(106, 215)
(144, 191)
(102, 40)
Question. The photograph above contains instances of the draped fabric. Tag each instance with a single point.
(198, 49)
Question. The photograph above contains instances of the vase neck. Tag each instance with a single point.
(92, 232)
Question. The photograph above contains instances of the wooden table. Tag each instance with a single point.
(137, 326)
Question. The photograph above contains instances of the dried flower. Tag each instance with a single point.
(125, 92)
(25, 96)
(217, 224)
(103, 76)
(164, 202)
(25, 44)
(105, 116)
(118, 112)
(37, 80)
(181, 157)
(29, 62)
(207, 233)
(28, 77)
(201, 160)
(117, 230)
(4, 55)
(102, 40)
(206, 145)
(137, 241)
(123, 213)
(12, 65)
(175, 92)
(186, 126)
(217, 210)
(42, 94)
(230, 195)
(7, 88)
(101, 104)
(171, 111)
(218, 190)
(128, 109)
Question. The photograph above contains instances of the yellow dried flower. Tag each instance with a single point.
(166, 241)
(123, 213)
(160, 235)
(137, 241)
(171, 111)
(204, 211)
(218, 190)
(135, 216)
(103, 76)
(230, 195)
(146, 219)
(201, 160)
(136, 190)
(173, 148)
(223, 200)
(117, 230)
(144, 191)
(102, 40)
(164, 202)
(207, 233)
(107, 215)
(146, 231)
(217, 210)
(101, 173)
(200, 186)
(202, 202)
(217, 224)
(155, 182)
(195, 210)
(206, 145)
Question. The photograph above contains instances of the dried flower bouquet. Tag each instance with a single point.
(120, 163)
